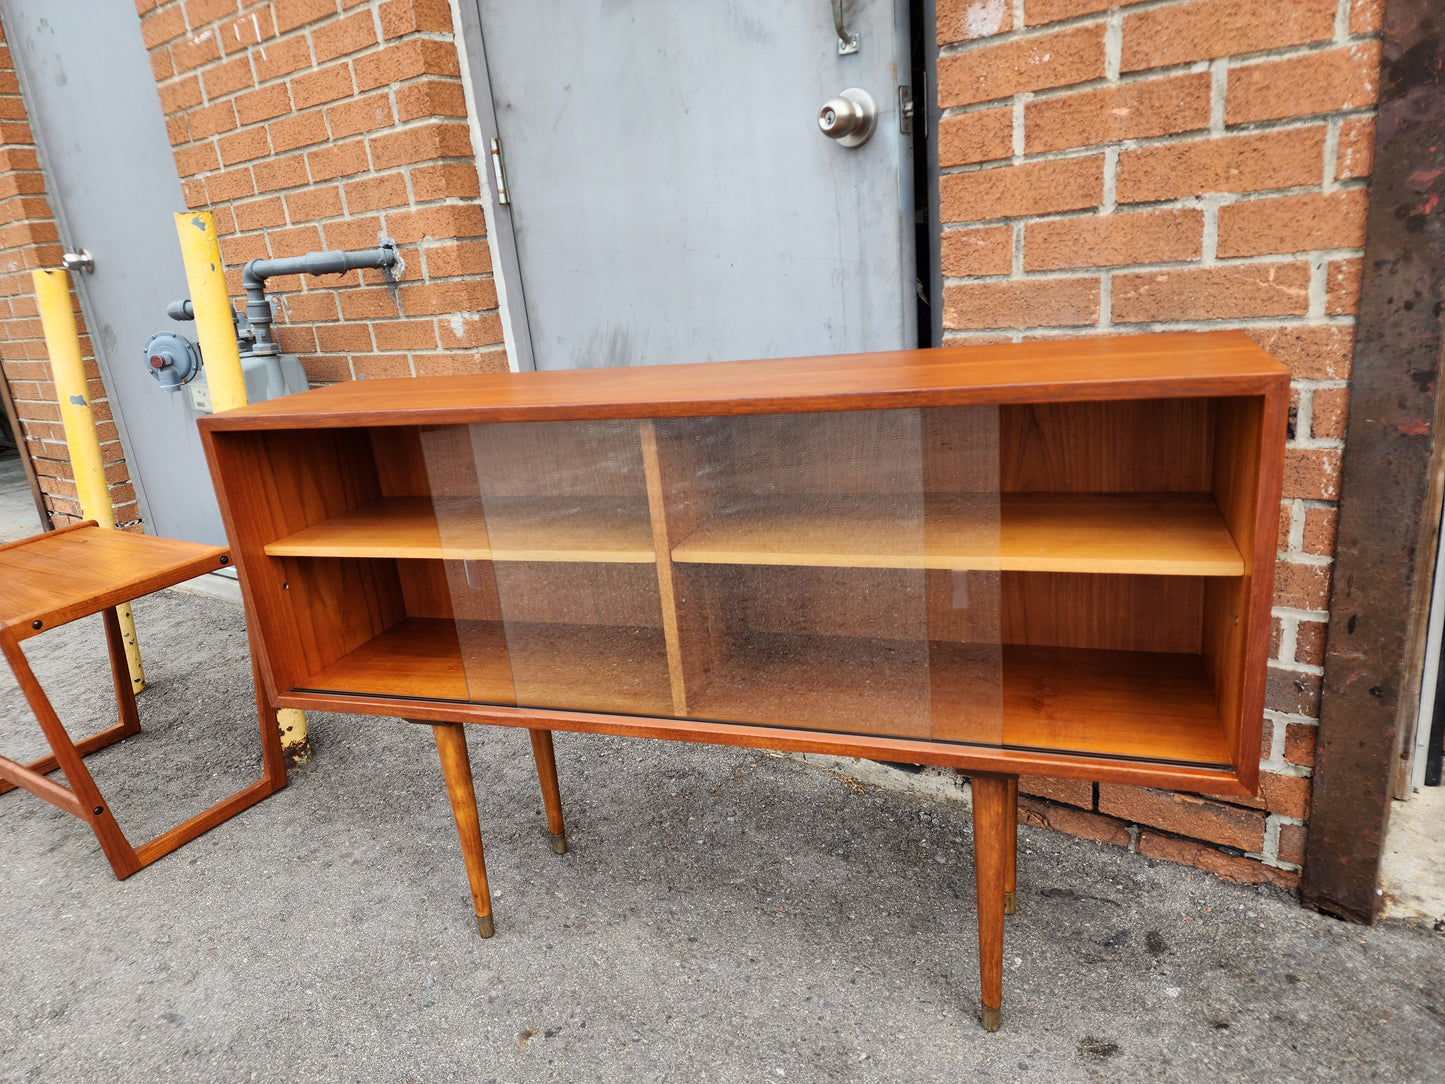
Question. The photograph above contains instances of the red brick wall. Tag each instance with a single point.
(310, 124)
(1107, 169)
(1186, 165)
(29, 239)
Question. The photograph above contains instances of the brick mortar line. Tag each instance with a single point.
(1295, 667)
(1020, 33)
(311, 69)
(1288, 717)
(1284, 767)
(309, 184)
(1288, 649)
(348, 216)
(1168, 139)
(1189, 203)
(1270, 124)
(1262, 260)
(1342, 20)
(1019, 30)
(1328, 444)
(1303, 558)
(321, 110)
(308, 29)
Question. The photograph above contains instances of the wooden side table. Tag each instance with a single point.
(51, 579)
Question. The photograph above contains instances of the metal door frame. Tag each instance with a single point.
(77, 281)
(506, 268)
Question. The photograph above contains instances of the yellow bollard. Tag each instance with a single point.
(201, 251)
(62, 343)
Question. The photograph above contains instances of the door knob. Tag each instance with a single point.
(849, 118)
(79, 260)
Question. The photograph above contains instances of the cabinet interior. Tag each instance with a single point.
(1061, 576)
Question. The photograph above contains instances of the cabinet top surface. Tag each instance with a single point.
(1135, 366)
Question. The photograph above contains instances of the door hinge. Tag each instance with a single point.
(905, 110)
(499, 171)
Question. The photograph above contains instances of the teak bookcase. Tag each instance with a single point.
(1050, 558)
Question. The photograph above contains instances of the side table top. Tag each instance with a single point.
(49, 579)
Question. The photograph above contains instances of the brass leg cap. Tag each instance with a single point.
(559, 841)
(486, 928)
(1010, 902)
(990, 1018)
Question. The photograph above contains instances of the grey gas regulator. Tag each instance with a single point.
(175, 362)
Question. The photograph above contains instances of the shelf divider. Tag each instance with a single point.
(657, 514)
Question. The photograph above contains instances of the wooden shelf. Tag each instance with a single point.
(1108, 703)
(596, 529)
(590, 667)
(1165, 534)
(852, 684)
(1138, 704)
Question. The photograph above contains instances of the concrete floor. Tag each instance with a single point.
(1412, 875)
(722, 915)
(18, 516)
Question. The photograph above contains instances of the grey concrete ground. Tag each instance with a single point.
(18, 516)
(723, 915)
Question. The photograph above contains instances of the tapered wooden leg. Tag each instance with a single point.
(457, 771)
(551, 793)
(1011, 857)
(991, 830)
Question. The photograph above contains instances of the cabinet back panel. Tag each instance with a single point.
(965, 607)
(561, 459)
(877, 602)
(450, 590)
(448, 468)
(695, 465)
(961, 449)
(863, 451)
(341, 602)
(1132, 445)
(577, 594)
(1112, 613)
(400, 464)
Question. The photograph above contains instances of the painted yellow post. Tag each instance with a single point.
(201, 251)
(62, 343)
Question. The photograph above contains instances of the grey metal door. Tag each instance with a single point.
(97, 117)
(671, 196)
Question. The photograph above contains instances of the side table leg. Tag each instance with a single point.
(990, 851)
(457, 770)
(1011, 863)
(546, 760)
(120, 673)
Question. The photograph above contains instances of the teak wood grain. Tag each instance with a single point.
(54, 578)
(1163, 534)
(596, 529)
(1127, 367)
(1049, 558)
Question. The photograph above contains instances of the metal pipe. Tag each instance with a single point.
(62, 344)
(216, 329)
(256, 272)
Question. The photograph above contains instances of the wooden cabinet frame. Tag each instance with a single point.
(1129, 491)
